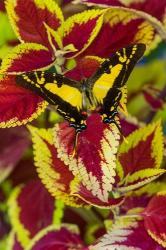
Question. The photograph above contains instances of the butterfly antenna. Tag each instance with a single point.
(75, 145)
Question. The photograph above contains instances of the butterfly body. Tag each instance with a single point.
(101, 93)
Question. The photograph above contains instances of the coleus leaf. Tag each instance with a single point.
(78, 182)
(139, 179)
(140, 157)
(94, 163)
(150, 138)
(28, 19)
(123, 26)
(13, 243)
(14, 142)
(152, 7)
(129, 124)
(126, 234)
(81, 29)
(155, 218)
(29, 217)
(24, 172)
(26, 57)
(67, 237)
(142, 196)
(84, 67)
(53, 172)
(18, 105)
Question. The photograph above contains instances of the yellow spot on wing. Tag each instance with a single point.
(105, 82)
(67, 93)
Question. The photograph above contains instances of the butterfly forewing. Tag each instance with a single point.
(114, 72)
(57, 90)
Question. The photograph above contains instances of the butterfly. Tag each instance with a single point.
(102, 91)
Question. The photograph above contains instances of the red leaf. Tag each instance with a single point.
(127, 234)
(95, 160)
(155, 218)
(63, 239)
(132, 161)
(23, 172)
(15, 243)
(104, 2)
(36, 207)
(26, 57)
(153, 7)
(28, 18)
(81, 29)
(14, 142)
(93, 200)
(18, 105)
(129, 124)
(143, 150)
(112, 38)
(54, 172)
(85, 68)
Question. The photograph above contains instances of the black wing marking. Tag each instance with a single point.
(57, 90)
(106, 84)
(127, 57)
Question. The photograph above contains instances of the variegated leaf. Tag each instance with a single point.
(127, 233)
(81, 29)
(155, 218)
(29, 217)
(67, 237)
(81, 191)
(18, 105)
(129, 124)
(13, 243)
(59, 176)
(94, 162)
(124, 26)
(53, 172)
(26, 57)
(152, 7)
(28, 19)
(139, 178)
(141, 150)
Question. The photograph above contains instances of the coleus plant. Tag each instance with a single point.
(126, 222)
(106, 170)
(49, 41)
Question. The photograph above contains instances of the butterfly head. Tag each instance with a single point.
(79, 125)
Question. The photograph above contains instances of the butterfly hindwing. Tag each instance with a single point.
(57, 90)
